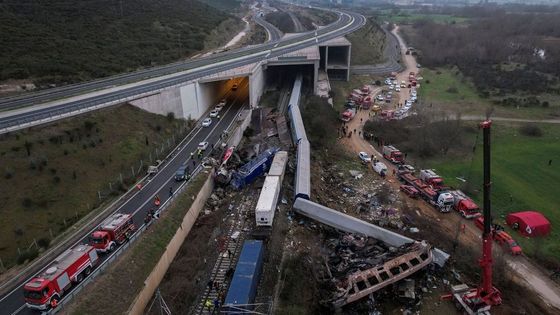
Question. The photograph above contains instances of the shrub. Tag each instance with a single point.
(27, 202)
(377, 82)
(170, 116)
(88, 125)
(545, 104)
(531, 130)
(427, 81)
(44, 242)
(452, 89)
(249, 132)
(18, 231)
(27, 255)
(9, 174)
(15, 149)
(56, 179)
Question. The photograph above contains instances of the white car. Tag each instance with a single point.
(220, 105)
(202, 146)
(214, 113)
(364, 157)
(391, 87)
(207, 122)
(398, 89)
(380, 97)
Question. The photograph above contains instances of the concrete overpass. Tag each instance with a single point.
(176, 82)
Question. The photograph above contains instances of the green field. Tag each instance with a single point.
(521, 176)
(447, 89)
(404, 18)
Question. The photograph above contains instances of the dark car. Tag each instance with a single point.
(181, 174)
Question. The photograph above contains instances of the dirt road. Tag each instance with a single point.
(531, 275)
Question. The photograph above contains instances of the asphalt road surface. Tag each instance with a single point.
(273, 33)
(139, 204)
(347, 23)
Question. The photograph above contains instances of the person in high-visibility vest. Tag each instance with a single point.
(54, 303)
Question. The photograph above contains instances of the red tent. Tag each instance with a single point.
(529, 223)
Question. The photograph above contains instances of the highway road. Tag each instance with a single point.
(142, 201)
(347, 22)
(273, 33)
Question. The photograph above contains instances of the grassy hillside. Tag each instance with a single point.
(367, 44)
(521, 179)
(67, 41)
(51, 175)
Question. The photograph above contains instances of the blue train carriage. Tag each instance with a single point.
(243, 286)
(255, 168)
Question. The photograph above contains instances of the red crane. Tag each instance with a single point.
(481, 299)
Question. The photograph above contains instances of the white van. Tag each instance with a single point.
(380, 167)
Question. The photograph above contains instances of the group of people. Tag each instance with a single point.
(214, 305)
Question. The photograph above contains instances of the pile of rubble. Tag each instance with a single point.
(370, 198)
(350, 253)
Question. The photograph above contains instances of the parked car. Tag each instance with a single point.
(398, 89)
(364, 157)
(181, 173)
(409, 191)
(207, 122)
(203, 146)
(391, 87)
(214, 113)
(406, 167)
(220, 105)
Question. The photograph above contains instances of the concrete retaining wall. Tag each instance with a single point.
(162, 103)
(256, 85)
(237, 133)
(348, 223)
(155, 277)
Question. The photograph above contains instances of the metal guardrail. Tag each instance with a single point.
(113, 256)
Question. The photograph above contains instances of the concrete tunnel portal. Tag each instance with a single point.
(193, 99)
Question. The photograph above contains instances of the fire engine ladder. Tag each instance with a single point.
(363, 283)
(224, 261)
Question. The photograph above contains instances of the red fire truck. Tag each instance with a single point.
(114, 231)
(45, 290)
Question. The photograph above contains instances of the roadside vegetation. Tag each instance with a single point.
(67, 41)
(51, 175)
(521, 175)
(125, 278)
(314, 17)
(368, 44)
(410, 16)
(281, 20)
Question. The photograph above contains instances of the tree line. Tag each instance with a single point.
(66, 41)
(503, 53)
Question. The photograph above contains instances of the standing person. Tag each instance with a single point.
(170, 192)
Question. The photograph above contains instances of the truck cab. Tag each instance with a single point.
(114, 231)
(431, 178)
(445, 201)
(393, 154)
(38, 294)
